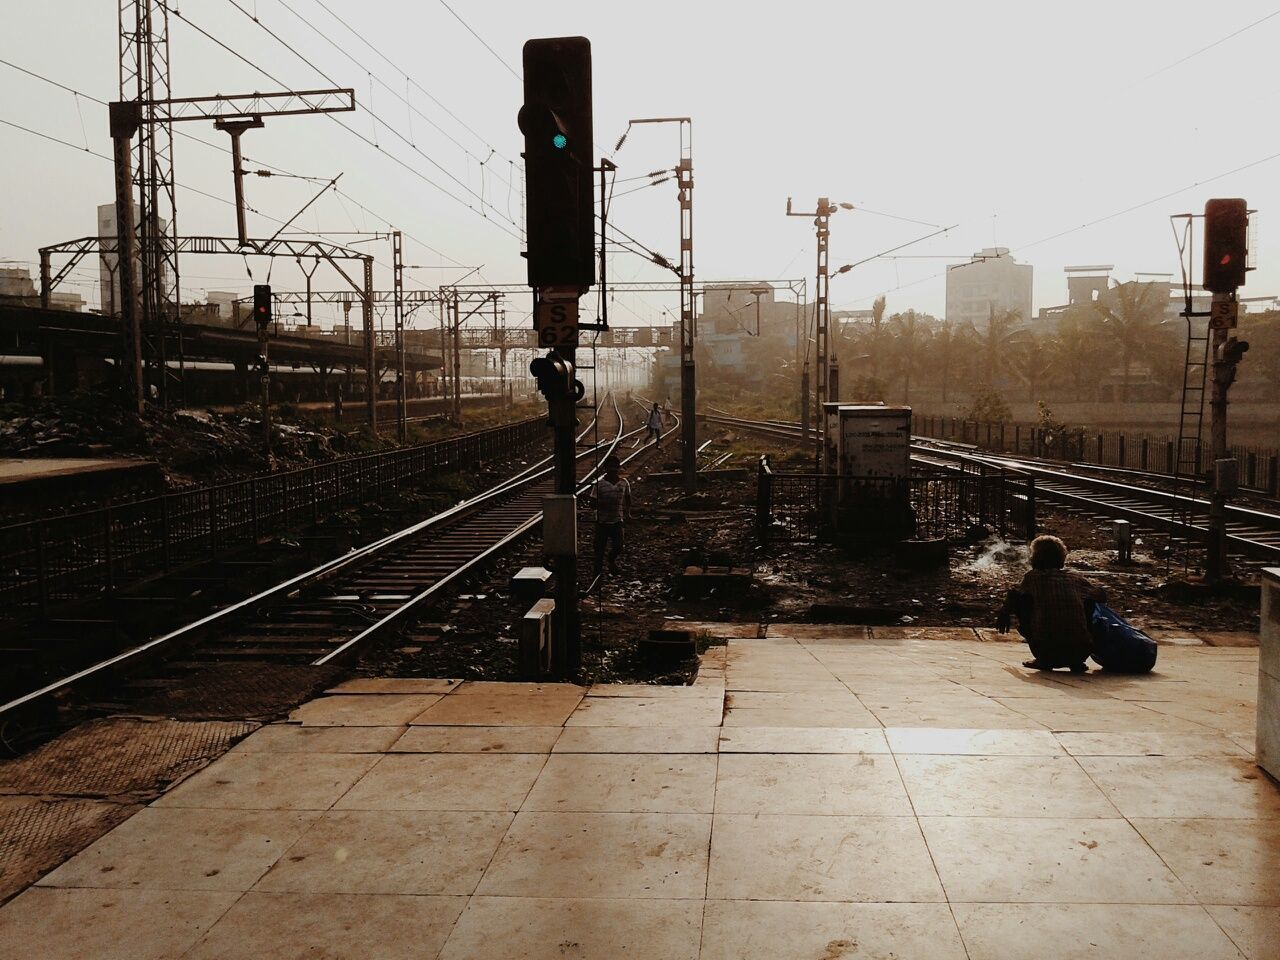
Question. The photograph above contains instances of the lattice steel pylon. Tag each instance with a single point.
(145, 79)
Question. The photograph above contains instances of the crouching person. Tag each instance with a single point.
(1052, 605)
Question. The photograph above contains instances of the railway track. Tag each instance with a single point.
(325, 615)
(1250, 532)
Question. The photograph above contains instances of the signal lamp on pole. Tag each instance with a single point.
(1226, 244)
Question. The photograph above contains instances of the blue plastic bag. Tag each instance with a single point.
(1117, 644)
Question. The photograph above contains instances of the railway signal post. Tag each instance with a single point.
(560, 229)
(1226, 254)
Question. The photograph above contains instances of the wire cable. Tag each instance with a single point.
(511, 70)
(368, 109)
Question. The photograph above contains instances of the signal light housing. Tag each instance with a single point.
(558, 161)
(1226, 244)
(262, 304)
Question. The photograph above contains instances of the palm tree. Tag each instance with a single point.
(1130, 318)
(910, 332)
(876, 340)
(1004, 327)
(1079, 349)
(949, 345)
(1032, 360)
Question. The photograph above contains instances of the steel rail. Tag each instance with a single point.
(192, 631)
(403, 612)
(1252, 532)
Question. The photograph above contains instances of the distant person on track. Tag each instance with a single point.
(337, 404)
(1052, 607)
(612, 497)
(654, 426)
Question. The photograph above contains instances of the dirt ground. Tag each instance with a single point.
(196, 446)
(476, 637)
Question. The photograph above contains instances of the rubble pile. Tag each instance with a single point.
(191, 446)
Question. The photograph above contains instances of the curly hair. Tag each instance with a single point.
(1048, 553)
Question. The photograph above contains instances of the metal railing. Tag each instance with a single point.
(945, 504)
(79, 556)
(1147, 452)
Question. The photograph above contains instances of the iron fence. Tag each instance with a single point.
(1148, 452)
(79, 556)
(945, 504)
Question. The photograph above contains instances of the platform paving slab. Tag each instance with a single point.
(526, 928)
(1009, 931)
(1254, 930)
(611, 855)
(830, 858)
(862, 784)
(271, 781)
(637, 740)
(274, 926)
(1005, 814)
(764, 930)
(626, 783)
(488, 709)
(445, 782)
(1030, 860)
(463, 739)
(182, 849)
(294, 738)
(390, 852)
(98, 924)
(363, 710)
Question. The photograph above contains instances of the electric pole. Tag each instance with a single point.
(1226, 255)
(688, 330)
(560, 229)
(822, 315)
(397, 275)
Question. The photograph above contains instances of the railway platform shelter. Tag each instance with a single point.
(819, 792)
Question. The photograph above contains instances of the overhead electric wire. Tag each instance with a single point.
(275, 171)
(472, 31)
(367, 109)
(425, 92)
(395, 93)
(418, 173)
(1210, 46)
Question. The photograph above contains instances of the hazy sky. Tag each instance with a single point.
(1019, 121)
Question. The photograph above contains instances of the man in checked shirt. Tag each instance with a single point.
(1052, 607)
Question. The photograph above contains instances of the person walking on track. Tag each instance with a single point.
(654, 426)
(612, 497)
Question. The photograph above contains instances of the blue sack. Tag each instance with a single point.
(1117, 644)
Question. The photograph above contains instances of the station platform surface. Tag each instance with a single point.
(820, 792)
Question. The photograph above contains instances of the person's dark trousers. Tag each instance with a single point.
(609, 534)
(1021, 604)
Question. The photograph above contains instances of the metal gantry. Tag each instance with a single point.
(822, 312)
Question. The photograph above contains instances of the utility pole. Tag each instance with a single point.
(397, 274)
(822, 313)
(560, 229)
(688, 330)
(1226, 255)
(262, 318)
(142, 128)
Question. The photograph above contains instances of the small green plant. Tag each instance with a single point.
(1053, 432)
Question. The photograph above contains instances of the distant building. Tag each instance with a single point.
(992, 279)
(16, 286)
(62, 300)
(727, 323)
(108, 279)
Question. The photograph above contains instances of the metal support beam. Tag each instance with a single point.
(397, 271)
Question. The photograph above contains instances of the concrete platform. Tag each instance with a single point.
(819, 793)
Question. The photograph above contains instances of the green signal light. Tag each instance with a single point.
(559, 141)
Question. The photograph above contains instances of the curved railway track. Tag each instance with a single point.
(325, 615)
(1250, 532)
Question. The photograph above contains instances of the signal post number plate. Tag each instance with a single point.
(557, 323)
(1222, 315)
